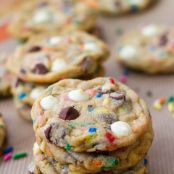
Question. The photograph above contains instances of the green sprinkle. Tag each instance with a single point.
(68, 147)
(71, 125)
(19, 155)
(170, 99)
(2, 126)
(110, 163)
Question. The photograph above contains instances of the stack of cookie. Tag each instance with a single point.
(48, 58)
(2, 132)
(95, 126)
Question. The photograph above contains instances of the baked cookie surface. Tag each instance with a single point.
(5, 78)
(44, 16)
(2, 131)
(149, 49)
(49, 59)
(96, 115)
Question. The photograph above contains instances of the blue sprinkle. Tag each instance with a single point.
(22, 96)
(134, 8)
(145, 161)
(126, 72)
(7, 150)
(92, 130)
(98, 95)
(90, 108)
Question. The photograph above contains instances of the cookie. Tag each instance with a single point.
(5, 78)
(44, 16)
(47, 59)
(149, 49)
(45, 165)
(117, 7)
(25, 93)
(96, 115)
(2, 131)
(117, 161)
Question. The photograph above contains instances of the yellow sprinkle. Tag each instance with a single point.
(171, 107)
(103, 110)
(106, 101)
(157, 105)
(120, 110)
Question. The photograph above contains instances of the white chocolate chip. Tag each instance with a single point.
(136, 2)
(128, 52)
(150, 30)
(90, 46)
(42, 16)
(107, 87)
(48, 102)
(54, 40)
(36, 92)
(121, 129)
(78, 95)
(58, 65)
(36, 148)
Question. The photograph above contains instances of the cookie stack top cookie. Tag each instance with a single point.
(73, 110)
(149, 49)
(55, 57)
(90, 125)
(44, 16)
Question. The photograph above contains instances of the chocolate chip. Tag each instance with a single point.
(40, 69)
(23, 71)
(86, 63)
(18, 82)
(163, 40)
(69, 113)
(34, 49)
(117, 96)
(47, 133)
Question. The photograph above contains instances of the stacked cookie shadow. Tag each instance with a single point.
(94, 126)
(47, 58)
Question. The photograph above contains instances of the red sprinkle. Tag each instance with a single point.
(4, 34)
(112, 80)
(123, 79)
(7, 157)
(110, 137)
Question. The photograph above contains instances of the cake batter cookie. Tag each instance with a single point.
(88, 116)
(117, 7)
(149, 49)
(51, 16)
(46, 165)
(48, 59)
(2, 131)
(5, 78)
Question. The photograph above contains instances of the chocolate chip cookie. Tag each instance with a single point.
(149, 49)
(44, 16)
(96, 115)
(49, 58)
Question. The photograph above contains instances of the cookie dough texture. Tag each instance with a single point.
(2, 131)
(5, 77)
(149, 49)
(49, 59)
(59, 16)
(118, 7)
(91, 126)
